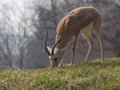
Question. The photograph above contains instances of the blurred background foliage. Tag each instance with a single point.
(23, 24)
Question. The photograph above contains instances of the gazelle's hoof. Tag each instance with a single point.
(60, 65)
(85, 61)
(102, 59)
(71, 64)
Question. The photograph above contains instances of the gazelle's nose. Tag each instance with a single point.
(53, 66)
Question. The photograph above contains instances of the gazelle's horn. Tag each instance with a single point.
(45, 43)
(55, 46)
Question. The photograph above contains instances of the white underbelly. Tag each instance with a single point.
(87, 29)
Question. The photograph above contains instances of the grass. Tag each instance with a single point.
(93, 75)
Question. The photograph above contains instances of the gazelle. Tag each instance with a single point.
(82, 20)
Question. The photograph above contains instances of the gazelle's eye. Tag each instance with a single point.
(55, 59)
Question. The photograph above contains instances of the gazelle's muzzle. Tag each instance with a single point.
(54, 63)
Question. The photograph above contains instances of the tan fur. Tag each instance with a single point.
(75, 21)
(84, 20)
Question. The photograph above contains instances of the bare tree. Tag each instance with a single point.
(15, 35)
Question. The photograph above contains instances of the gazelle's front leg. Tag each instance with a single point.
(61, 63)
(61, 59)
(73, 50)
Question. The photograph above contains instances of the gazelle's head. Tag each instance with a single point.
(55, 54)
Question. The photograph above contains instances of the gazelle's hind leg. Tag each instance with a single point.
(101, 43)
(90, 43)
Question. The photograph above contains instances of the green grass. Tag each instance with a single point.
(93, 75)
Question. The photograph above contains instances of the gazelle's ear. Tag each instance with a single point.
(49, 49)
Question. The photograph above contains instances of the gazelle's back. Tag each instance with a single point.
(82, 16)
(78, 18)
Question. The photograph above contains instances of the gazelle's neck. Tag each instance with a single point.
(63, 42)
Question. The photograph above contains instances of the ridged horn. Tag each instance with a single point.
(45, 43)
(52, 52)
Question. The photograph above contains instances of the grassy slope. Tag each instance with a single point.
(92, 75)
